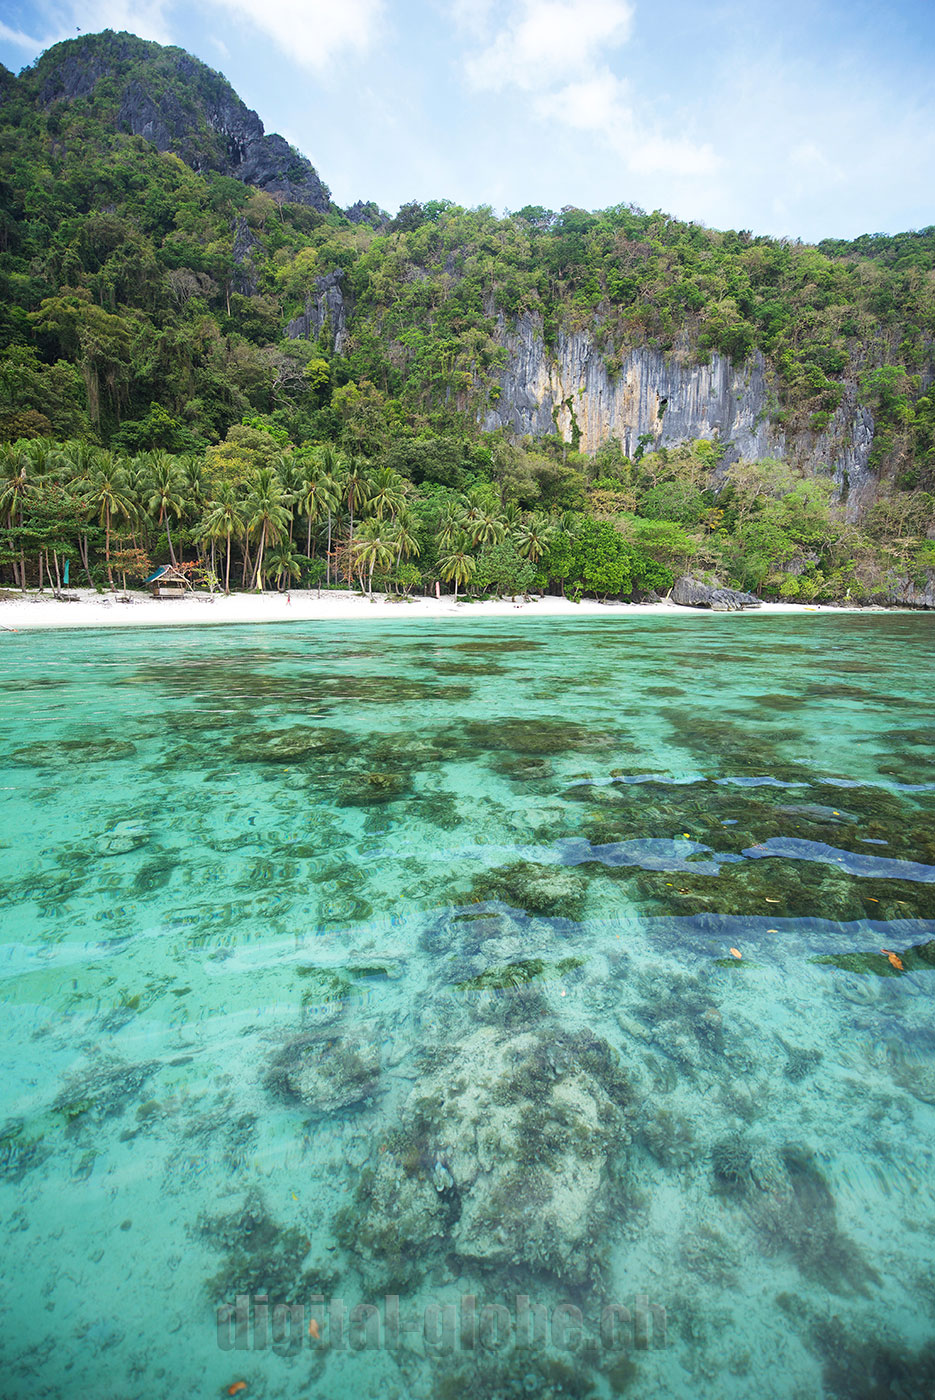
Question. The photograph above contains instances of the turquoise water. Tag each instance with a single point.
(350, 964)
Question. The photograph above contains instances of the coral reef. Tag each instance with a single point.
(731, 1162)
(529, 1129)
(538, 889)
(326, 1073)
(260, 1256)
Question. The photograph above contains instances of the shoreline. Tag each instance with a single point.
(85, 608)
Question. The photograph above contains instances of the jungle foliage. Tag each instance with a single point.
(143, 315)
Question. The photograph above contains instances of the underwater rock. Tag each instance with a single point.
(62, 753)
(260, 1256)
(124, 838)
(19, 1152)
(669, 1136)
(535, 737)
(368, 789)
(326, 1073)
(396, 1215)
(858, 1367)
(518, 974)
(529, 1127)
(404, 751)
(101, 1092)
(523, 1372)
(539, 889)
(287, 745)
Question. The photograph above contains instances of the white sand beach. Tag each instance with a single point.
(87, 608)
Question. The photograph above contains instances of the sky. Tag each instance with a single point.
(797, 118)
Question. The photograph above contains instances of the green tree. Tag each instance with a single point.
(458, 567)
(266, 515)
(110, 499)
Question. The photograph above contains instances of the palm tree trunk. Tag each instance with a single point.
(85, 562)
(110, 577)
(258, 579)
(308, 539)
(329, 548)
(227, 571)
(169, 538)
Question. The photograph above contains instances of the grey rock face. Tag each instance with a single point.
(367, 212)
(671, 398)
(910, 594)
(180, 105)
(692, 593)
(330, 305)
(244, 243)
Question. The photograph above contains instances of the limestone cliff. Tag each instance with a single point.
(328, 306)
(574, 391)
(179, 104)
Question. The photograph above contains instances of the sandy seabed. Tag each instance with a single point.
(87, 608)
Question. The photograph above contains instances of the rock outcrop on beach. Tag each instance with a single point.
(692, 593)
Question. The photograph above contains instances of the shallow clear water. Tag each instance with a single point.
(362, 963)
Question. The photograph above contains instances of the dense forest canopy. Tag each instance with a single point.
(146, 294)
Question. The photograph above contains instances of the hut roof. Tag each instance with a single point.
(166, 571)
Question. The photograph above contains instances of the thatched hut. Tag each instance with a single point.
(168, 582)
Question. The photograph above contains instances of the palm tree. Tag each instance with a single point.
(373, 546)
(387, 493)
(292, 478)
(79, 460)
(165, 491)
(332, 465)
(485, 528)
(191, 478)
(283, 561)
(15, 482)
(457, 565)
(223, 519)
(110, 498)
(355, 485)
(319, 495)
(266, 512)
(406, 543)
(534, 537)
(451, 524)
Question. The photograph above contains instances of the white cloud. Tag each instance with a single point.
(16, 36)
(313, 32)
(601, 105)
(545, 41)
(558, 53)
(471, 16)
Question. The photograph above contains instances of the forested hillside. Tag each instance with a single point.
(156, 246)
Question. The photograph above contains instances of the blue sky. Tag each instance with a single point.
(805, 118)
